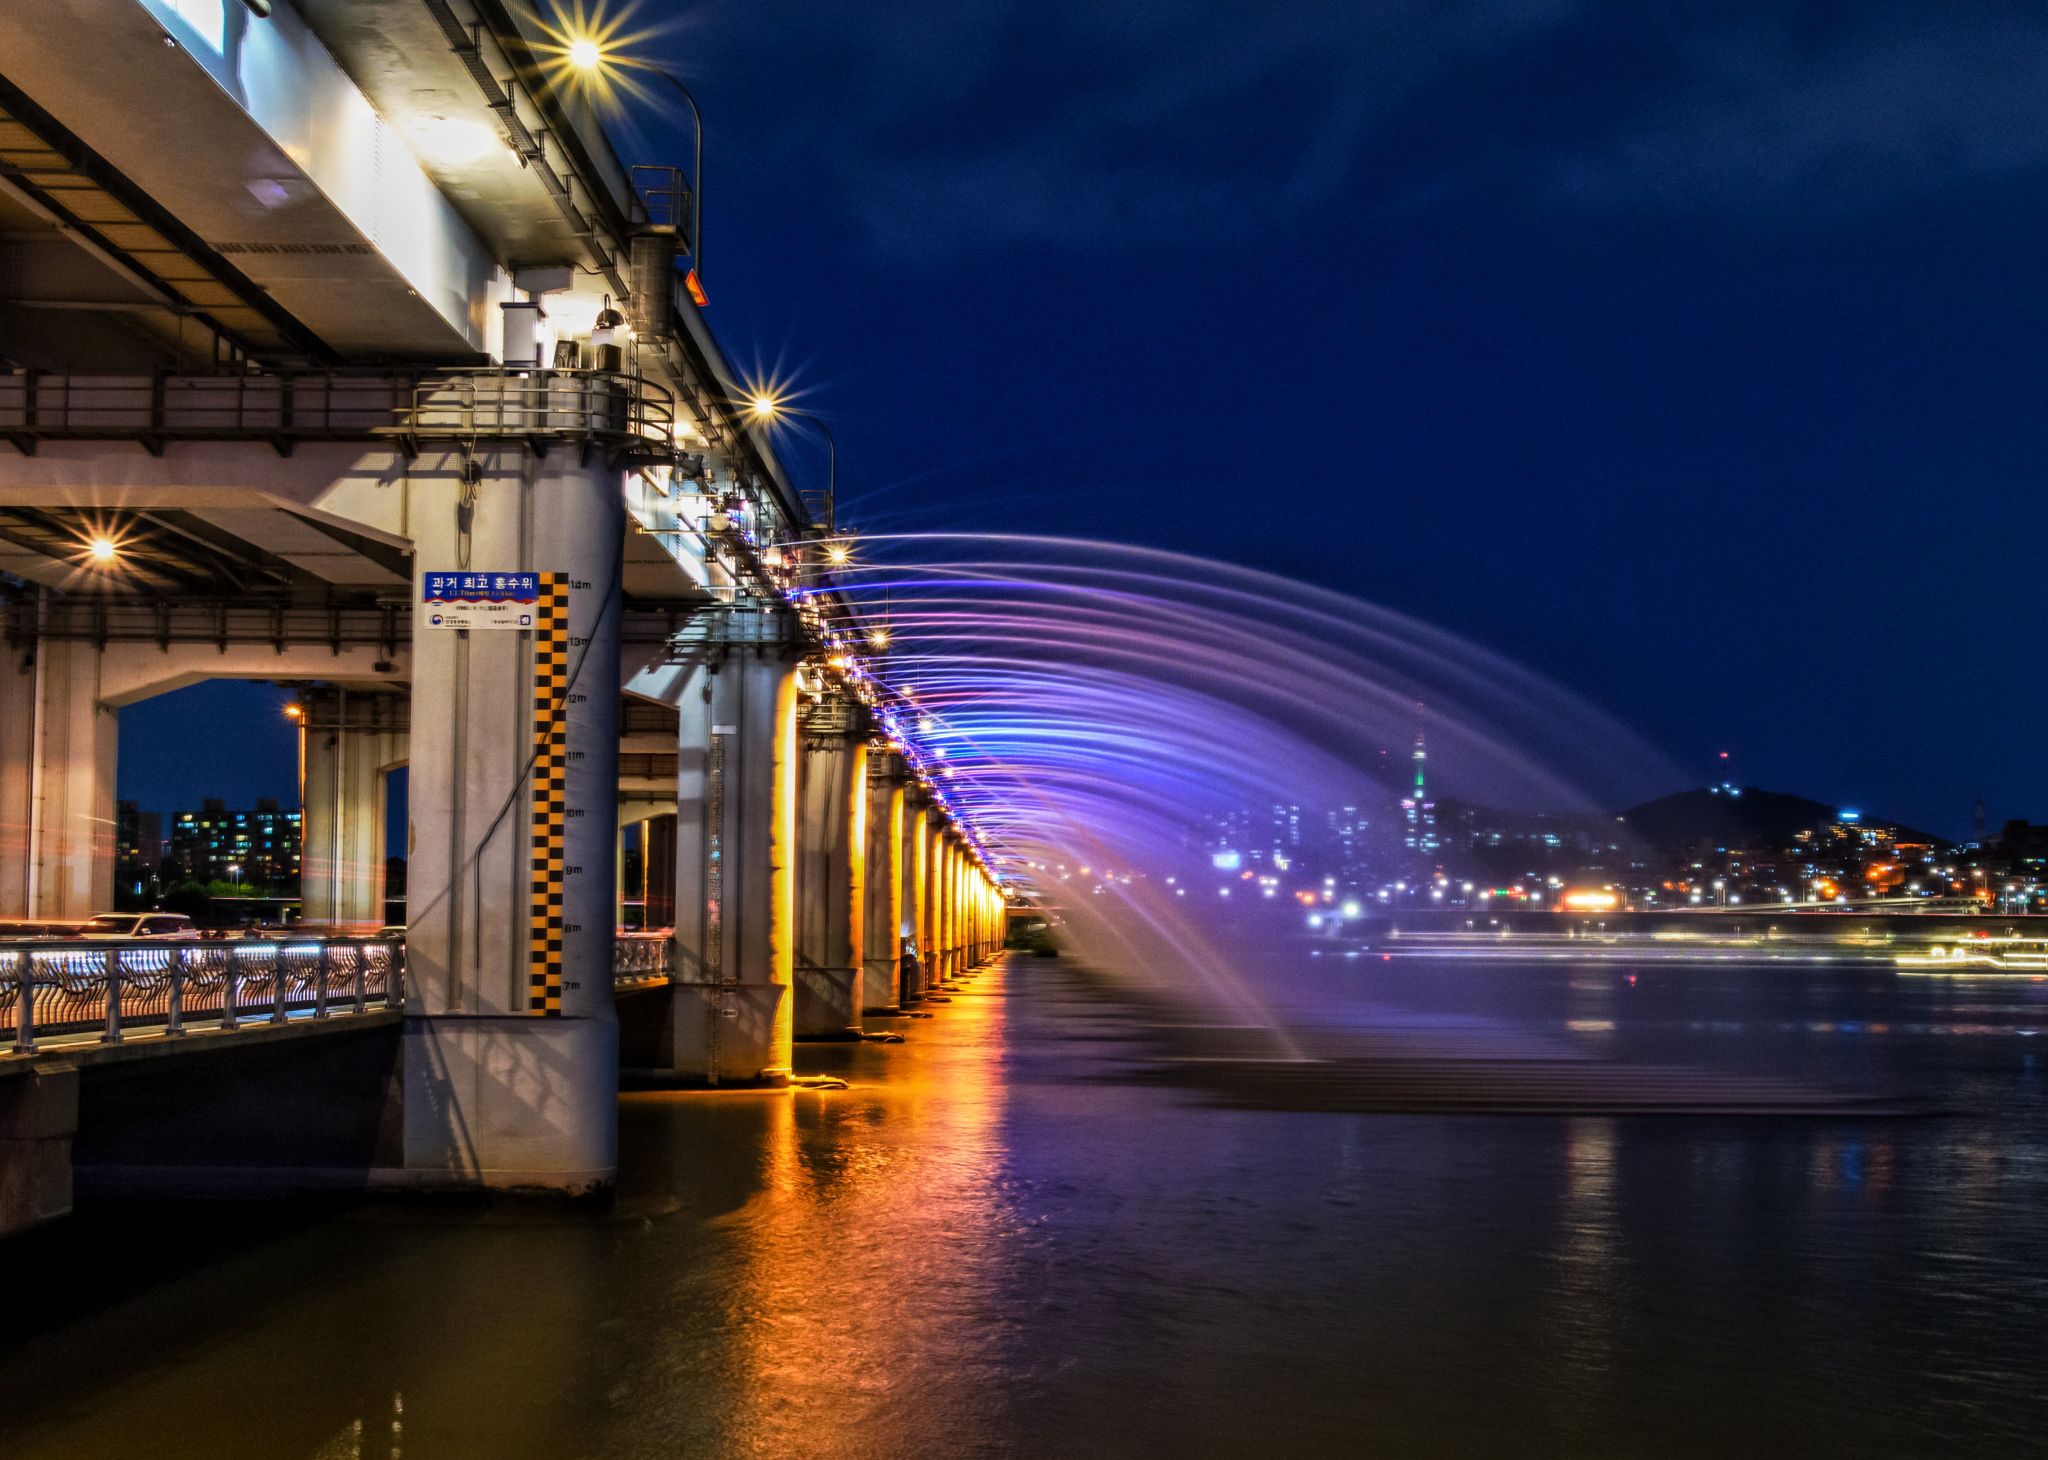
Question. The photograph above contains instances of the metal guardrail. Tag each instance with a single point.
(640, 959)
(599, 405)
(610, 408)
(53, 987)
(50, 988)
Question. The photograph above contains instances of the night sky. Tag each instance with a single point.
(1690, 354)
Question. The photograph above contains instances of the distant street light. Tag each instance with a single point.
(103, 550)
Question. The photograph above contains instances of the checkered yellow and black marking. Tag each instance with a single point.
(550, 792)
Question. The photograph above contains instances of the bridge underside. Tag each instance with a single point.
(805, 876)
(316, 329)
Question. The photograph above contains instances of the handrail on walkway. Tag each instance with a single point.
(53, 987)
(618, 410)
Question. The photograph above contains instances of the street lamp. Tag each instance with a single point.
(587, 56)
(766, 411)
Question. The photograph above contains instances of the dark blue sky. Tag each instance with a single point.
(1689, 353)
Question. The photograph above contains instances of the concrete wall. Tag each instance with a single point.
(246, 1113)
(38, 1120)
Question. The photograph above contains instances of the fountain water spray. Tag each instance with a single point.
(1091, 710)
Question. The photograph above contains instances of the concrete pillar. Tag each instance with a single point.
(970, 936)
(658, 857)
(57, 745)
(956, 869)
(347, 745)
(915, 846)
(956, 866)
(965, 903)
(736, 799)
(942, 903)
(972, 914)
(511, 1040)
(882, 971)
(934, 893)
(831, 883)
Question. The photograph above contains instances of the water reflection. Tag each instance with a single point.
(841, 1304)
(1584, 1295)
(993, 1244)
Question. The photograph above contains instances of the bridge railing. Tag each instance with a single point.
(53, 988)
(611, 408)
(510, 404)
(639, 959)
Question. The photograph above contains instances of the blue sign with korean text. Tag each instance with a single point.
(480, 600)
(481, 587)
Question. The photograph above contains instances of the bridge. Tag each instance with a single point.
(338, 347)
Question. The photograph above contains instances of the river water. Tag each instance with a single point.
(994, 1244)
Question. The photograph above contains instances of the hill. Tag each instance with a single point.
(1743, 816)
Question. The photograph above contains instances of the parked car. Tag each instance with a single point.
(109, 926)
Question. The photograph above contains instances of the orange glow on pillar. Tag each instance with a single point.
(782, 878)
(857, 865)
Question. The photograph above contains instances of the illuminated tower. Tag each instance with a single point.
(1417, 809)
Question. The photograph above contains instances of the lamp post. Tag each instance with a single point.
(766, 410)
(587, 55)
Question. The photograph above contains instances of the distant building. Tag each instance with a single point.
(138, 846)
(1418, 812)
(2022, 841)
(259, 848)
